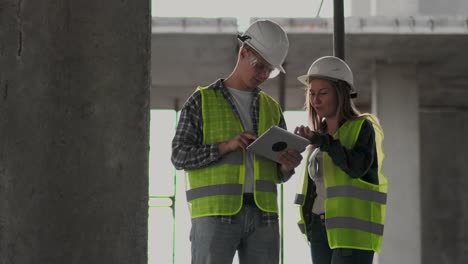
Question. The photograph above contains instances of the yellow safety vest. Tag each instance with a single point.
(217, 189)
(354, 209)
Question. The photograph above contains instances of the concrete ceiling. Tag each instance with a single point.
(182, 60)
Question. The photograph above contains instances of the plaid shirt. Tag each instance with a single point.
(188, 150)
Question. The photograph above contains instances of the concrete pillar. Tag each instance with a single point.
(395, 8)
(448, 8)
(361, 8)
(444, 184)
(396, 103)
(74, 118)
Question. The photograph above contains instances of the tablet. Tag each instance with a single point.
(275, 140)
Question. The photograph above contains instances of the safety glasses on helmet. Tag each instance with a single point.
(261, 66)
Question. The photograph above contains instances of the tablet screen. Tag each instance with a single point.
(275, 140)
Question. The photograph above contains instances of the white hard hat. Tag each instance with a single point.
(330, 67)
(269, 40)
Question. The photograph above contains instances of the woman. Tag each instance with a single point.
(343, 191)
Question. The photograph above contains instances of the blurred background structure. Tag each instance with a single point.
(86, 88)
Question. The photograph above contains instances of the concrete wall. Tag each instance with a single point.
(74, 114)
(400, 8)
(426, 154)
(443, 8)
(364, 8)
(395, 8)
(395, 101)
(361, 8)
(444, 184)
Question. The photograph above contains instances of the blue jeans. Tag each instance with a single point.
(321, 252)
(252, 233)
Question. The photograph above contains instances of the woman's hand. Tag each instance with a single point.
(314, 137)
(303, 131)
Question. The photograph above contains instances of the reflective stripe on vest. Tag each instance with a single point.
(301, 227)
(354, 223)
(299, 199)
(355, 192)
(235, 157)
(213, 190)
(228, 189)
(217, 189)
(265, 186)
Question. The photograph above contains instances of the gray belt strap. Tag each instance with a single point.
(355, 192)
(212, 190)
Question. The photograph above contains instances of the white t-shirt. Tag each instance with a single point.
(243, 104)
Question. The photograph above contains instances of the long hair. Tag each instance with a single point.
(346, 110)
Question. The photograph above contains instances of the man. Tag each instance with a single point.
(232, 193)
